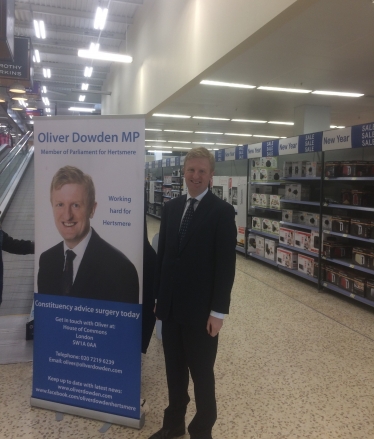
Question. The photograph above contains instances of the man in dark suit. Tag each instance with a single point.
(195, 274)
(83, 265)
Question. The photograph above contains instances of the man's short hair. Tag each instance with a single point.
(201, 153)
(73, 175)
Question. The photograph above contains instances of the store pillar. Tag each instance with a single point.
(311, 119)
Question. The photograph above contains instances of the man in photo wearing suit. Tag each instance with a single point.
(195, 274)
(83, 264)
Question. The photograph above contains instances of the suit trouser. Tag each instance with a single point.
(190, 348)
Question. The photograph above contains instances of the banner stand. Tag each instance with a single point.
(86, 413)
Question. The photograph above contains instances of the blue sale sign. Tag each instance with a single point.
(87, 354)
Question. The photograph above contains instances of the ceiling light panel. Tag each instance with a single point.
(178, 131)
(81, 109)
(85, 86)
(280, 123)
(100, 18)
(209, 118)
(287, 90)
(82, 98)
(248, 120)
(104, 56)
(338, 93)
(171, 115)
(226, 84)
(206, 132)
(237, 134)
(88, 71)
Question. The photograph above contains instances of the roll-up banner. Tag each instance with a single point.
(89, 216)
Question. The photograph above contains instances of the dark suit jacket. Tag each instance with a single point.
(104, 273)
(196, 278)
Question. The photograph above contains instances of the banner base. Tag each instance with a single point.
(86, 413)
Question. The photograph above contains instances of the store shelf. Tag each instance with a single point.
(261, 233)
(345, 235)
(299, 273)
(300, 226)
(351, 178)
(166, 196)
(302, 178)
(348, 206)
(240, 249)
(348, 263)
(160, 191)
(175, 190)
(260, 258)
(348, 294)
(265, 208)
(267, 183)
(299, 250)
(307, 203)
(167, 184)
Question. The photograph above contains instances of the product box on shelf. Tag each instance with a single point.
(303, 217)
(256, 223)
(346, 280)
(287, 169)
(305, 264)
(256, 163)
(270, 249)
(340, 224)
(298, 169)
(302, 239)
(266, 225)
(312, 219)
(314, 241)
(362, 198)
(286, 236)
(275, 227)
(326, 222)
(336, 250)
(359, 284)
(269, 174)
(260, 246)
(167, 192)
(369, 293)
(269, 162)
(312, 169)
(362, 256)
(291, 216)
(297, 192)
(332, 169)
(363, 228)
(251, 243)
(255, 174)
(264, 200)
(354, 169)
(274, 201)
(256, 199)
(287, 258)
(332, 275)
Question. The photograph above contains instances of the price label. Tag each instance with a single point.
(325, 284)
(344, 235)
(351, 266)
(354, 178)
(352, 295)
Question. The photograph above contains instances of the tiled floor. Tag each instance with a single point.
(292, 364)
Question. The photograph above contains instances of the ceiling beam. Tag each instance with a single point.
(90, 33)
(49, 10)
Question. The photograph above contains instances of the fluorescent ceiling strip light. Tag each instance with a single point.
(161, 146)
(47, 73)
(152, 129)
(88, 72)
(203, 143)
(82, 98)
(171, 115)
(100, 18)
(81, 109)
(177, 141)
(287, 90)
(337, 93)
(104, 56)
(42, 29)
(236, 134)
(44, 89)
(337, 126)
(46, 101)
(163, 152)
(226, 84)
(210, 118)
(47, 110)
(178, 131)
(248, 120)
(162, 141)
(84, 86)
(270, 137)
(281, 123)
(37, 55)
(205, 132)
(94, 47)
(181, 147)
(227, 144)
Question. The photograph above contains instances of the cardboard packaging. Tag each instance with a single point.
(369, 293)
(297, 192)
(359, 284)
(327, 222)
(275, 227)
(251, 243)
(340, 224)
(256, 199)
(287, 169)
(314, 241)
(298, 169)
(256, 163)
(305, 264)
(291, 216)
(363, 228)
(274, 202)
(287, 236)
(260, 246)
(264, 200)
(362, 257)
(266, 225)
(332, 275)
(287, 258)
(256, 223)
(302, 239)
(312, 219)
(346, 280)
(270, 249)
(269, 162)
(336, 250)
(333, 169)
(269, 174)
(312, 169)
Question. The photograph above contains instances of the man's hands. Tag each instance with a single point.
(214, 325)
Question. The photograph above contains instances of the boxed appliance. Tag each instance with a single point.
(359, 284)
(287, 169)
(332, 275)
(340, 224)
(260, 246)
(274, 201)
(298, 169)
(297, 192)
(362, 198)
(251, 240)
(314, 241)
(269, 174)
(287, 236)
(255, 174)
(305, 264)
(269, 162)
(364, 228)
(362, 256)
(270, 249)
(303, 217)
(264, 200)
(333, 169)
(256, 223)
(369, 294)
(336, 250)
(354, 169)
(346, 280)
(312, 169)
(275, 227)
(302, 240)
(256, 199)
(291, 216)
(266, 225)
(287, 258)
(326, 222)
(256, 163)
(312, 219)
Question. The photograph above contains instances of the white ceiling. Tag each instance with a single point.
(329, 46)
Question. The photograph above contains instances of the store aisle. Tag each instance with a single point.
(292, 364)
